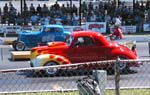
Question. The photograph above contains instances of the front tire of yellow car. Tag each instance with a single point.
(51, 71)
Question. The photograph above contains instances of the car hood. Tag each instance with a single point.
(59, 48)
(27, 32)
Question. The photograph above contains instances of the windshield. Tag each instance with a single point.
(52, 29)
(69, 40)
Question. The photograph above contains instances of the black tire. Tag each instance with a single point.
(14, 43)
(51, 71)
(123, 66)
(19, 46)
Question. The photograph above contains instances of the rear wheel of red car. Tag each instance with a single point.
(123, 66)
(51, 71)
(19, 46)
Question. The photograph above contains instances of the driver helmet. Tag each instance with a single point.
(80, 40)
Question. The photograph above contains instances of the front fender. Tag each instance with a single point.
(44, 58)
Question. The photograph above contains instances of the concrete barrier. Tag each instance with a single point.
(15, 55)
(101, 78)
(8, 40)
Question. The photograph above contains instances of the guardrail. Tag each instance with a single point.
(24, 80)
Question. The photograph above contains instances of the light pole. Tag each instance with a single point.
(80, 11)
(21, 3)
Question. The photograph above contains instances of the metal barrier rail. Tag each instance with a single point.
(73, 65)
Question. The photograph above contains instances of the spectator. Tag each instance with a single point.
(12, 19)
(74, 9)
(64, 19)
(117, 33)
(76, 19)
(63, 9)
(117, 20)
(19, 19)
(25, 7)
(38, 9)
(107, 18)
(90, 6)
(58, 20)
(99, 17)
(96, 10)
(68, 9)
(93, 17)
(34, 19)
(147, 5)
(5, 8)
(32, 8)
(45, 9)
(56, 6)
(136, 5)
(45, 20)
(12, 10)
(12, 15)
(57, 12)
(100, 5)
(3, 19)
(142, 7)
(68, 19)
(84, 7)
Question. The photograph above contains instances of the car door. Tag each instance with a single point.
(83, 50)
(48, 34)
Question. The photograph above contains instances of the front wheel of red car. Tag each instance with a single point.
(19, 46)
(51, 71)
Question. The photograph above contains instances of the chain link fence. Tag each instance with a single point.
(32, 81)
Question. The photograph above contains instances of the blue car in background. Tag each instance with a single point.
(47, 33)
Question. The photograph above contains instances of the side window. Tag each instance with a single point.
(84, 41)
(58, 30)
(88, 41)
(49, 29)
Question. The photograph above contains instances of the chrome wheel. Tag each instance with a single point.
(19, 46)
(51, 71)
(123, 66)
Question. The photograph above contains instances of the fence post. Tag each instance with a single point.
(149, 47)
(1, 54)
(117, 77)
(101, 77)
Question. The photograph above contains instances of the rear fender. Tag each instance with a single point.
(120, 52)
(126, 55)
